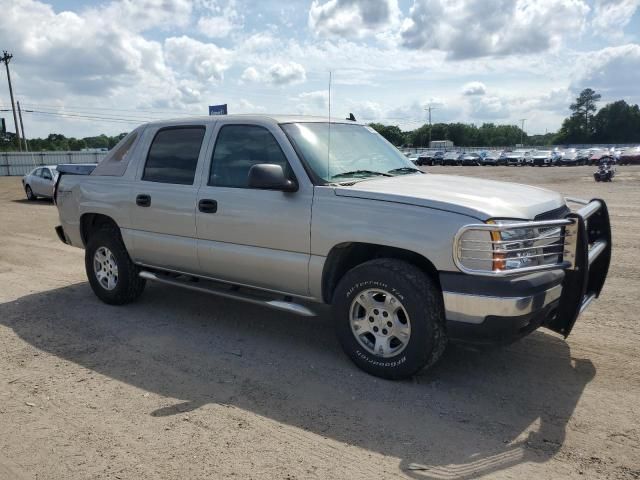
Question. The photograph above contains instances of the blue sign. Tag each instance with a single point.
(218, 109)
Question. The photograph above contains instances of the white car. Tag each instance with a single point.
(40, 182)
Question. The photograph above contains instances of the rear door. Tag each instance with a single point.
(35, 182)
(254, 237)
(164, 198)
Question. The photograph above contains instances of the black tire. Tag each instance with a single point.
(30, 195)
(129, 285)
(420, 297)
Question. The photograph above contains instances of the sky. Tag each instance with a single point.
(85, 68)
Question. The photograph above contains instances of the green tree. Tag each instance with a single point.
(391, 132)
(617, 122)
(579, 128)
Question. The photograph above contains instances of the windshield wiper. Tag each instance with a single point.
(404, 170)
(360, 172)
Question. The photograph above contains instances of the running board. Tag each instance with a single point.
(231, 291)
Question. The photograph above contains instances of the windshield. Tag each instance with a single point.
(356, 151)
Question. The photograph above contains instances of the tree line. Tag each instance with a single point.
(616, 122)
(58, 142)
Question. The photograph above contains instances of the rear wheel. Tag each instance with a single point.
(389, 318)
(30, 195)
(112, 275)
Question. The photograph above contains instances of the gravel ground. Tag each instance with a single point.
(181, 385)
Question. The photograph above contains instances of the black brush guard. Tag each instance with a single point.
(588, 251)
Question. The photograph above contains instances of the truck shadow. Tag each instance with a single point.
(474, 413)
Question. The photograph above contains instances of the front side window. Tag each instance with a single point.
(238, 148)
(46, 174)
(173, 156)
(340, 152)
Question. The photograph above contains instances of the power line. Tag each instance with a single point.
(85, 117)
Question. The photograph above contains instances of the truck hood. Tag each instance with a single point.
(482, 199)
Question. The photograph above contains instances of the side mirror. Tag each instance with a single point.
(268, 176)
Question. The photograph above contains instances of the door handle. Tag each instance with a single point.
(207, 205)
(143, 200)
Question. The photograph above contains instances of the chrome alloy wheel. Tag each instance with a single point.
(380, 323)
(105, 268)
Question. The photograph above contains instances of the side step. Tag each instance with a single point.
(229, 291)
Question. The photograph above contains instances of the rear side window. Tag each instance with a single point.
(46, 174)
(238, 148)
(121, 153)
(173, 155)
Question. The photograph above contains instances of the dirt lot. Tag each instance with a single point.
(181, 385)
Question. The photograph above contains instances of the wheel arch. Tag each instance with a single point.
(345, 256)
(92, 222)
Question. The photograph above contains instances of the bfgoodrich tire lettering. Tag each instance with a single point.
(129, 285)
(419, 296)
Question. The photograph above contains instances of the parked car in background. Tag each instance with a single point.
(426, 158)
(451, 158)
(470, 159)
(583, 156)
(492, 158)
(631, 156)
(40, 182)
(539, 158)
(570, 158)
(437, 157)
(413, 158)
(595, 157)
(515, 158)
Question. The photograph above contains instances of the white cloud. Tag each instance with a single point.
(285, 73)
(613, 72)
(488, 107)
(319, 99)
(478, 28)
(245, 106)
(352, 18)
(221, 22)
(86, 54)
(205, 61)
(611, 16)
(474, 88)
(141, 15)
(250, 74)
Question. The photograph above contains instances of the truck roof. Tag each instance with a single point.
(260, 118)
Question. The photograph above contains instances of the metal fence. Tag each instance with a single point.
(14, 163)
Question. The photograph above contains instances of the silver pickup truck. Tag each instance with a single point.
(290, 211)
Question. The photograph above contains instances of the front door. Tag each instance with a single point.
(247, 236)
(164, 199)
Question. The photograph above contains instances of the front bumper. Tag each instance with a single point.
(499, 305)
(499, 310)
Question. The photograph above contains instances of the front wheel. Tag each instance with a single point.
(30, 195)
(112, 275)
(389, 318)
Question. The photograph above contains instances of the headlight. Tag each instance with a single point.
(513, 248)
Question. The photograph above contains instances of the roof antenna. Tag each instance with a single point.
(329, 128)
(351, 117)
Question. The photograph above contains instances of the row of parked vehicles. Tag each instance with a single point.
(528, 157)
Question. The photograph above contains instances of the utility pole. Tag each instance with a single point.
(6, 58)
(428, 109)
(24, 138)
(522, 120)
